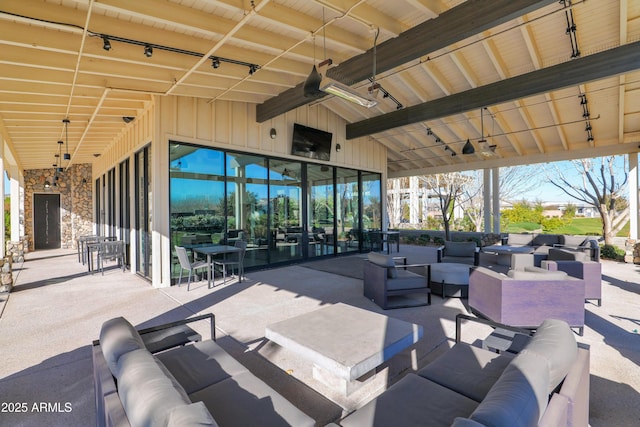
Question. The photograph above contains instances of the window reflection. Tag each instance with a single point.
(285, 197)
(283, 209)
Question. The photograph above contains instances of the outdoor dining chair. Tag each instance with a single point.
(234, 259)
(111, 250)
(186, 264)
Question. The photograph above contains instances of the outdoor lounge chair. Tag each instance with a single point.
(393, 286)
(525, 298)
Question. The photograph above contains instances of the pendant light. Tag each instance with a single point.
(311, 87)
(66, 122)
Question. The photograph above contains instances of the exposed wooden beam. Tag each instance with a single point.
(581, 70)
(463, 21)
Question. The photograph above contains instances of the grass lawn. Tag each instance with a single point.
(581, 226)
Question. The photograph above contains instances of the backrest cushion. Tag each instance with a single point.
(194, 415)
(567, 255)
(555, 341)
(516, 239)
(384, 261)
(147, 391)
(117, 337)
(465, 422)
(546, 240)
(466, 249)
(537, 274)
(574, 241)
(519, 396)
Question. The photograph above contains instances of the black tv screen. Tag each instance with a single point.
(310, 142)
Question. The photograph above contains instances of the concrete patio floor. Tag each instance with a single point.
(48, 322)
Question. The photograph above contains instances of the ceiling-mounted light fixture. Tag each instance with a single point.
(485, 149)
(59, 168)
(106, 44)
(468, 148)
(149, 47)
(453, 153)
(67, 155)
(128, 119)
(346, 92)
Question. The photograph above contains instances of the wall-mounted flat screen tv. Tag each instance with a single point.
(310, 142)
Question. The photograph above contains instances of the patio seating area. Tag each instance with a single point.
(56, 310)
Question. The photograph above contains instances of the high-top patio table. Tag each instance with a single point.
(344, 342)
(212, 250)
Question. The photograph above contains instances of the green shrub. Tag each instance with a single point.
(611, 252)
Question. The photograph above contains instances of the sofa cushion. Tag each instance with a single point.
(468, 370)
(459, 249)
(573, 241)
(244, 400)
(554, 340)
(465, 422)
(556, 254)
(194, 415)
(412, 401)
(117, 337)
(384, 261)
(148, 392)
(546, 240)
(516, 239)
(515, 399)
(199, 365)
(538, 274)
(407, 280)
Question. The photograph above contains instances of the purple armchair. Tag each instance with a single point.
(525, 298)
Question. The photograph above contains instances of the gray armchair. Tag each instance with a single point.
(525, 298)
(459, 252)
(393, 286)
(575, 263)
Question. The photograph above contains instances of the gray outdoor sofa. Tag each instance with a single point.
(545, 384)
(197, 384)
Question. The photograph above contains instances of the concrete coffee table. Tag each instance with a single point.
(449, 275)
(344, 342)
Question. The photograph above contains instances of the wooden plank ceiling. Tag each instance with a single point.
(524, 81)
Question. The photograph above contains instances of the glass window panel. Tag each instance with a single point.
(371, 213)
(347, 210)
(197, 206)
(247, 206)
(320, 192)
(285, 193)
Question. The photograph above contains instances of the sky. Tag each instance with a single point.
(546, 192)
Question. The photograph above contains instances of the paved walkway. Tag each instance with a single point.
(56, 310)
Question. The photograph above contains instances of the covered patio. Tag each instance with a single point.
(48, 323)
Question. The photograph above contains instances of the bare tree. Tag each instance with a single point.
(602, 186)
(449, 188)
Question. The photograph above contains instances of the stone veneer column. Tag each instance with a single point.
(76, 211)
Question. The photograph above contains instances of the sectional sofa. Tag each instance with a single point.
(542, 243)
(545, 384)
(197, 384)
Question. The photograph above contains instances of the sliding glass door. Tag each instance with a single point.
(285, 210)
(144, 216)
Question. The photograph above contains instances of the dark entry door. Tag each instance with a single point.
(46, 218)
